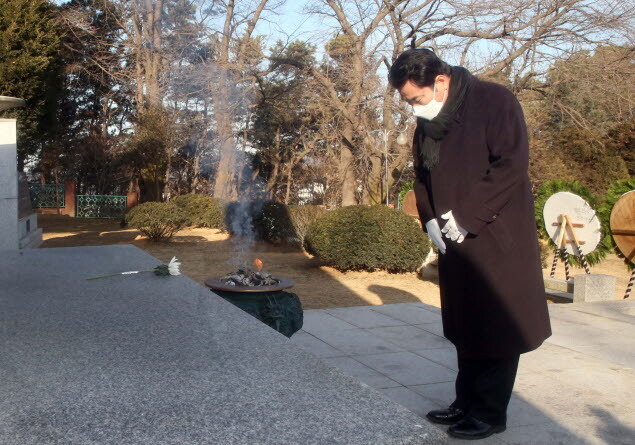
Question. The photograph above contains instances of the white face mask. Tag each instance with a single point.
(432, 108)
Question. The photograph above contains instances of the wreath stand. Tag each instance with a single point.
(567, 237)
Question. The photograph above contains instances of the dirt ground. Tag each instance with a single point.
(207, 253)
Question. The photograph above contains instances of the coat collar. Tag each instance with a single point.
(460, 113)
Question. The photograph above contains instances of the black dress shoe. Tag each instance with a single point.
(472, 429)
(446, 416)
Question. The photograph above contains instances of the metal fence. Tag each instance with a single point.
(100, 206)
(47, 195)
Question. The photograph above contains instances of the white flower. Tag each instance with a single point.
(162, 270)
(173, 266)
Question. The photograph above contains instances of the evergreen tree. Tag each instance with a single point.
(29, 69)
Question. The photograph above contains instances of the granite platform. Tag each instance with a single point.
(142, 359)
(578, 388)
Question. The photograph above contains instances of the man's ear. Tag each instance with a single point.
(442, 79)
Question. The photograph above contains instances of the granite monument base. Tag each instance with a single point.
(593, 287)
(142, 359)
(30, 234)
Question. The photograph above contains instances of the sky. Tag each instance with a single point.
(293, 20)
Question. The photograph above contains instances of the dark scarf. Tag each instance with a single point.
(435, 130)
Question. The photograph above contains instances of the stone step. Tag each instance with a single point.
(559, 284)
(559, 294)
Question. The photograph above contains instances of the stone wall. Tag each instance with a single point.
(8, 185)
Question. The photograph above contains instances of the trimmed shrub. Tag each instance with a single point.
(301, 218)
(241, 218)
(278, 223)
(282, 224)
(202, 210)
(156, 220)
(273, 223)
(368, 238)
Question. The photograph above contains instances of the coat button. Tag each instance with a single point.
(494, 217)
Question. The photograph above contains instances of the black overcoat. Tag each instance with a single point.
(493, 300)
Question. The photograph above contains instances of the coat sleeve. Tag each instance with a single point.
(506, 136)
(420, 188)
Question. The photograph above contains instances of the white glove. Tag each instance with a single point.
(452, 229)
(434, 232)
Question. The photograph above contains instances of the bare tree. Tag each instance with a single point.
(201, 61)
(513, 41)
(517, 38)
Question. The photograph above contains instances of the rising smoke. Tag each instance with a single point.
(200, 86)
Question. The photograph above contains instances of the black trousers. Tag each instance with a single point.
(484, 387)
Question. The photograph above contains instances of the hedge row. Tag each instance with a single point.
(350, 238)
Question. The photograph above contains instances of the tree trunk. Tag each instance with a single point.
(273, 177)
(166, 185)
(347, 169)
(348, 175)
(153, 42)
(196, 171)
(376, 184)
(57, 193)
(287, 195)
(139, 84)
(225, 183)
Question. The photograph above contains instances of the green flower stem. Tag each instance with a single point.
(120, 273)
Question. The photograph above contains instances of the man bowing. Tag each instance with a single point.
(474, 199)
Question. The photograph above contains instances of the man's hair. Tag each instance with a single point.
(421, 66)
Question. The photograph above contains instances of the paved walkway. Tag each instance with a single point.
(578, 388)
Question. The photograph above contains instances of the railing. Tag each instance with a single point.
(47, 195)
(100, 206)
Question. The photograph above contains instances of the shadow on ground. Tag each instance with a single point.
(404, 296)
